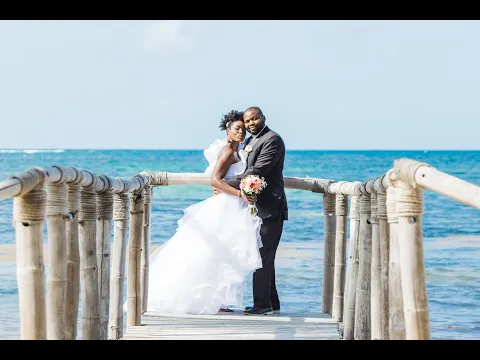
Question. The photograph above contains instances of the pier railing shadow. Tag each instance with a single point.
(376, 291)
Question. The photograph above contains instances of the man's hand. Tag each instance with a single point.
(215, 191)
(249, 198)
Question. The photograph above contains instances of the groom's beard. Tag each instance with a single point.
(259, 130)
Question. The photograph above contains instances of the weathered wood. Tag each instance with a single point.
(57, 214)
(286, 316)
(160, 178)
(289, 336)
(134, 297)
(341, 210)
(10, 188)
(423, 174)
(362, 301)
(24, 182)
(328, 252)
(104, 226)
(72, 296)
(396, 320)
(384, 240)
(233, 327)
(352, 272)
(121, 219)
(414, 173)
(376, 302)
(384, 235)
(57, 174)
(409, 206)
(345, 188)
(145, 250)
(28, 217)
(87, 229)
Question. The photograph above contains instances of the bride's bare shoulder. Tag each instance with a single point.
(226, 154)
(226, 151)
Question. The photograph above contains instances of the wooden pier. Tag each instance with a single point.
(374, 291)
(234, 326)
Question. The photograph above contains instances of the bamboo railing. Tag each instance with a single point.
(377, 290)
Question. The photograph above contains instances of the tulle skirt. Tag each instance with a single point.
(205, 264)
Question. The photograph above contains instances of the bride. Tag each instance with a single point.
(203, 267)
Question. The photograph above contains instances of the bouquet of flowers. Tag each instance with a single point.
(252, 185)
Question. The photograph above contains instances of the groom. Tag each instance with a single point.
(266, 159)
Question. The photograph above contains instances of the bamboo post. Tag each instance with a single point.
(396, 320)
(328, 252)
(87, 229)
(72, 295)
(341, 210)
(409, 206)
(362, 301)
(104, 225)
(384, 255)
(28, 215)
(351, 225)
(376, 273)
(120, 218)
(134, 300)
(57, 214)
(352, 271)
(145, 250)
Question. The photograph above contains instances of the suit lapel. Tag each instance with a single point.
(254, 143)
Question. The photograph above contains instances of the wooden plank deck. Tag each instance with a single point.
(234, 326)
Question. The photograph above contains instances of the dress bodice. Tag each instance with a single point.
(211, 154)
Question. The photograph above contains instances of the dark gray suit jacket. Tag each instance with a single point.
(267, 159)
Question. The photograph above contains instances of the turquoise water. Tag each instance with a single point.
(451, 230)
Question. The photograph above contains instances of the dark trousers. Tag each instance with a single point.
(264, 288)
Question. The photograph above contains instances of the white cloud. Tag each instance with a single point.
(169, 34)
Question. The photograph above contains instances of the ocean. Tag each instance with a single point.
(451, 230)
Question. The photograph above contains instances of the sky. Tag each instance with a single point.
(165, 84)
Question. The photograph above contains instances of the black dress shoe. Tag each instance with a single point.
(276, 310)
(255, 310)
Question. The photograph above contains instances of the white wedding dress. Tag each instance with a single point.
(204, 266)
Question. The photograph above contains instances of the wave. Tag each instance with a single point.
(455, 241)
(31, 151)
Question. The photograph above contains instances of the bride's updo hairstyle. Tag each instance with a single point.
(230, 118)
